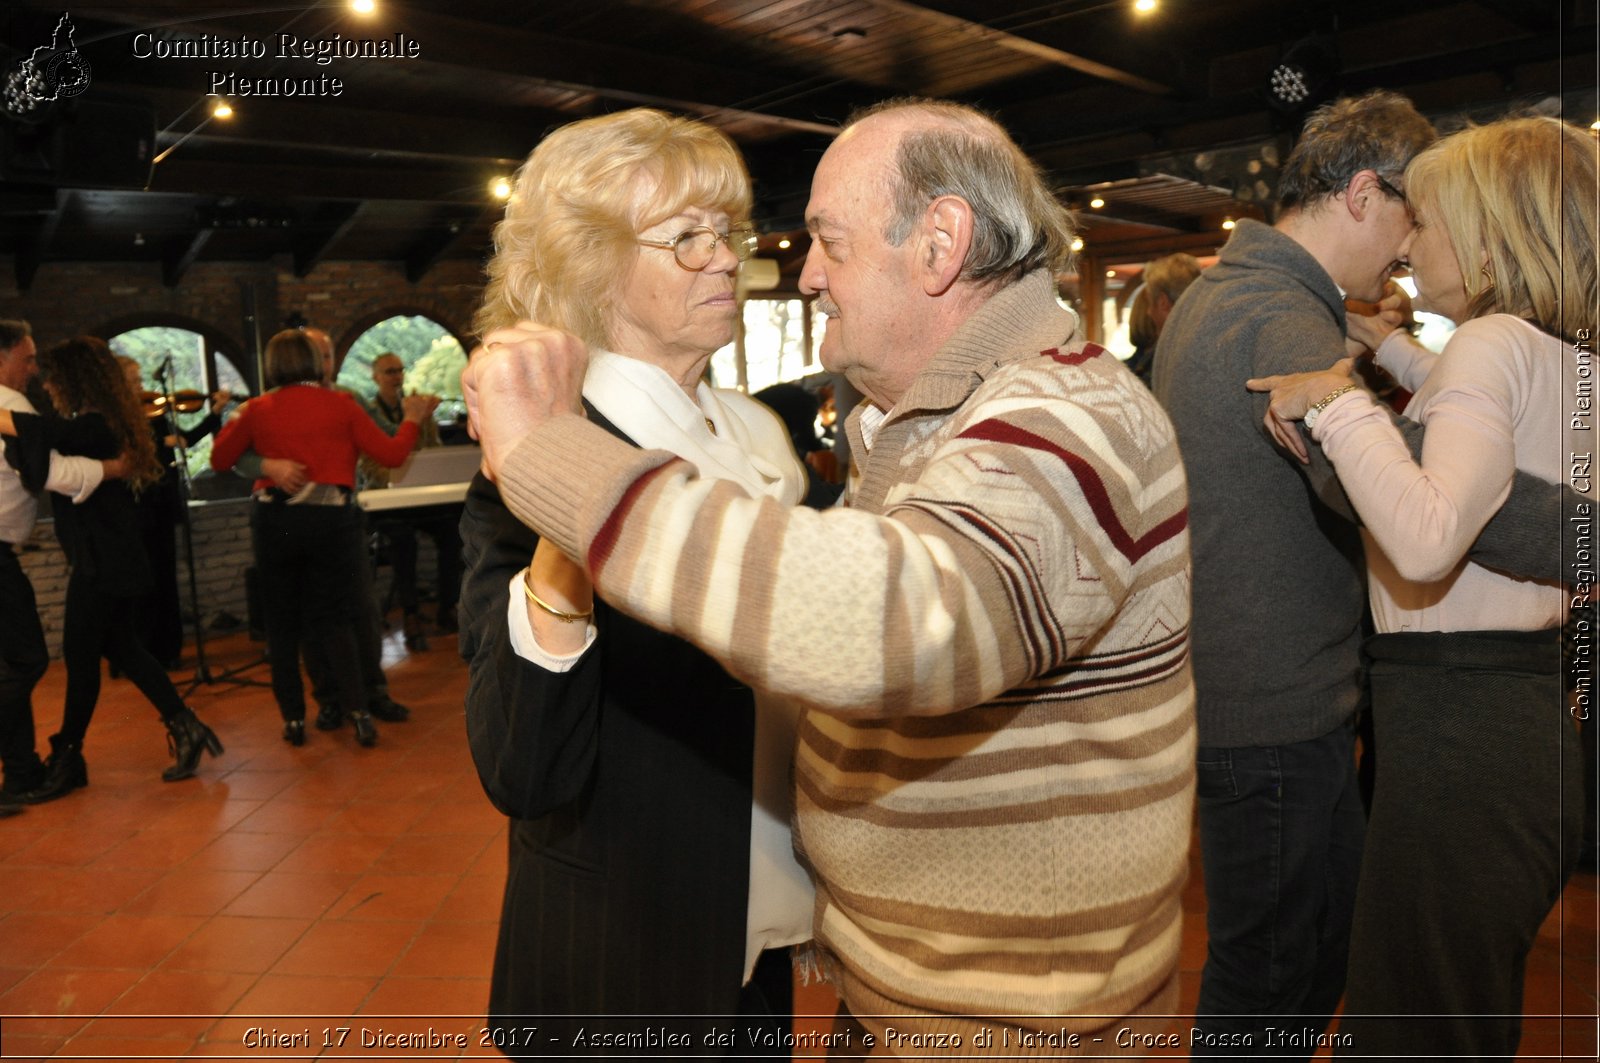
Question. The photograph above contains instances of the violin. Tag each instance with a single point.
(187, 401)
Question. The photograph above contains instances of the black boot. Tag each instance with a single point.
(187, 738)
(65, 771)
(366, 730)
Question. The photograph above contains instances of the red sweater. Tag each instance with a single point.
(321, 429)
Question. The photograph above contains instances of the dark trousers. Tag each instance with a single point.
(106, 625)
(1280, 837)
(308, 594)
(23, 660)
(1476, 823)
(401, 537)
(161, 629)
(367, 628)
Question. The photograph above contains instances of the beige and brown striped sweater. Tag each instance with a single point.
(996, 771)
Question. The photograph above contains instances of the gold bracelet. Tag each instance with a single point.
(1311, 415)
(564, 617)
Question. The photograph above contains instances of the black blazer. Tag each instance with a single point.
(628, 783)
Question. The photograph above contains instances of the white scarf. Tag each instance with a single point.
(750, 447)
(645, 402)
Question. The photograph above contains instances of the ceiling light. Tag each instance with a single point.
(783, 245)
(1595, 125)
(1144, 7)
(363, 7)
(1303, 75)
(221, 109)
(1227, 224)
(1096, 203)
(500, 188)
(1077, 243)
(1111, 273)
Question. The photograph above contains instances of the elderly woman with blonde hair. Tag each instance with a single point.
(1478, 803)
(651, 870)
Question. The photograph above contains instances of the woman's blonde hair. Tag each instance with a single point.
(1517, 199)
(564, 248)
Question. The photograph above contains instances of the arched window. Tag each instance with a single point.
(432, 356)
(174, 358)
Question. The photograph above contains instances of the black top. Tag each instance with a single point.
(101, 536)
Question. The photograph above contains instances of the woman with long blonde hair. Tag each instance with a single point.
(1477, 807)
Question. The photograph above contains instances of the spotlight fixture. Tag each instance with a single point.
(1077, 243)
(1595, 125)
(1144, 7)
(363, 7)
(783, 245)
(1096, 203)
(1111, 273)
(1302, 75)
(221, 109)
(1227, 225)
(500, 188)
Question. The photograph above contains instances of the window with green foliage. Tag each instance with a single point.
(189, 366)
(432, 356)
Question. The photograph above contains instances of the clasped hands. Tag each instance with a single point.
(519, 378)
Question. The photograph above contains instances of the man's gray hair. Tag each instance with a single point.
(12, 332)
(1018, 224)
(1380, 131)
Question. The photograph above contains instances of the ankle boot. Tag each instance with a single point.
(366, 730)
(187, 738)
(65, 771)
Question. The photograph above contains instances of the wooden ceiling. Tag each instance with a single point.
(1166, 114)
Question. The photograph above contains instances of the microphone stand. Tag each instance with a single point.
(202, 670)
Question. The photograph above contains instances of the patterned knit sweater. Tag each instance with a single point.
(995, 774)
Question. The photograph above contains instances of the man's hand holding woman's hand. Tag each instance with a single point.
(519, 378)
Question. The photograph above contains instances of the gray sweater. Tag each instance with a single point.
(1279, 578)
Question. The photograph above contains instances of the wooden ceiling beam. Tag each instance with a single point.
(629, 76)
(433, 246)
(180, 254)
(1025, 46)
(311, 247)
(281, 178)
(34, 247)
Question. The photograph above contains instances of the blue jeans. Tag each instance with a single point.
(1280, 839)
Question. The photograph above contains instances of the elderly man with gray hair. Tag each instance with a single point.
(995, 764)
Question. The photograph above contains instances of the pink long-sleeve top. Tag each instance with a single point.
(1494, 402)
(322, 429)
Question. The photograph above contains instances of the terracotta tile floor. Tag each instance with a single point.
(302, 888)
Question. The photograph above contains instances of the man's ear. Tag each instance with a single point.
(947, 236)
(1358, 195)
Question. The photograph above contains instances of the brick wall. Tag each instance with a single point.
(222, 554)
(345, 298)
